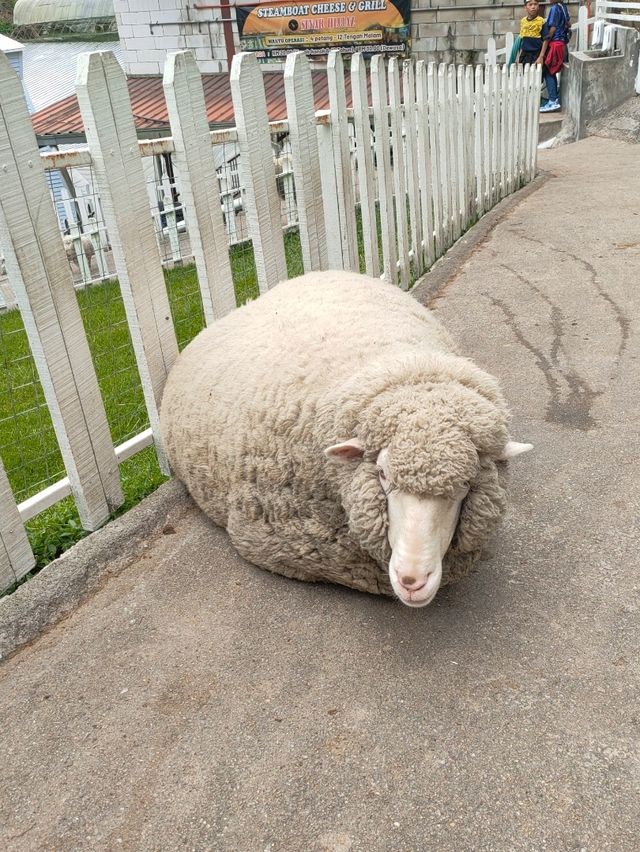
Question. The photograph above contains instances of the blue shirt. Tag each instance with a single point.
(558, 18)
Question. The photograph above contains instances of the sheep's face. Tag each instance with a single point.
(420, 527)
(429, 431)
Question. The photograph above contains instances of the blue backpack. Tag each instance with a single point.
(568, 32)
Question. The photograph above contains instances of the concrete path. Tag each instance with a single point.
(195, 702)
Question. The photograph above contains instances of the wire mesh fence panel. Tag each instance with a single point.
(172, 234)
(100, 300)
(79, 212)
(165, 202)
(27, 440)
(105, 323)
(30, 237)
(28, 444)
(286, 187)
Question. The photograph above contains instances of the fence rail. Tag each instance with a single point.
(385, 186)
(612, 11)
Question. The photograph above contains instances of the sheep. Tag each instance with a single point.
(70, 249)
(335, 432)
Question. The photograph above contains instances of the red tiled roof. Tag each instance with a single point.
(150, 111)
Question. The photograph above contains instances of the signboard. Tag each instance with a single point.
(274, 28)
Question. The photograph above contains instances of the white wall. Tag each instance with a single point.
(149, 29)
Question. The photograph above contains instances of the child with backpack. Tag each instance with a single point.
(558, 32)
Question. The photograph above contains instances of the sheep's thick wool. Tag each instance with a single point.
(254, 400)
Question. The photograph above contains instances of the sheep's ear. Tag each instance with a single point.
(513, 449)
(346, 451)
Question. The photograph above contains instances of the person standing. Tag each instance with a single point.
(557, 29)
(533, 45)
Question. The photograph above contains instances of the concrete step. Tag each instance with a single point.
(550, 124)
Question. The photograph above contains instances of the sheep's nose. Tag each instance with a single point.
(412, 584)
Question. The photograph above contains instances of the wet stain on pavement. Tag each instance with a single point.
(573, 410)
(572, 406)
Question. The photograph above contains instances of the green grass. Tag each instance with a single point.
(6, 16)
(28, 445)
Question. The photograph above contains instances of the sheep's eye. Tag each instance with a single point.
(387, 487)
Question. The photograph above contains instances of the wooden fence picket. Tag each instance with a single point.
(104, 103)
(452, 122)
(460, 141)
(526, 122)
(503, 108)
(527, 97)
(491, 55)
(192, 155)
(399, 179)
(366, 171)
(486, 132)
(42, 283)
(257, 169)
(582, 42)
(511, 127)
(533, 121)
(469, 145)
(329, 196)
(383, 164)
(16, 556)
(413, 181)
(495, 134)
(489, 81)
(342, 162)
(425, 166)
(436, 170)
(305, 158)
(535, 106)
(479, 140)
(517, 126)
(445, 157)
(533, 109)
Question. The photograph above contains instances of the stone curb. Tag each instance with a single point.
(432, 284)
(61, 586)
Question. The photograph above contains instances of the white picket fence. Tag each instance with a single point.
(607, 10)
(448, 144)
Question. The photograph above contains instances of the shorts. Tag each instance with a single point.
(529, 58)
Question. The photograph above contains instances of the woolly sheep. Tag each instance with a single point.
(70, 249)
(331, 427)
